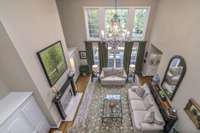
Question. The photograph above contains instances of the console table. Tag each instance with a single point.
(165, 107)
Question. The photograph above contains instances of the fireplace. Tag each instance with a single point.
(64, 96)
(65, 99)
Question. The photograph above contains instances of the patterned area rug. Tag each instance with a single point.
(92, 123)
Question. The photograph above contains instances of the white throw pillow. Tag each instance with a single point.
(149, 117)
(140, 91)
(158, 122)
(133, 88)
(148, 102)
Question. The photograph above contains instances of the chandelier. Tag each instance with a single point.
(117, 35)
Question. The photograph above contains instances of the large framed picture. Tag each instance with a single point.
(192, 109)
(83, 54)
(53, 62)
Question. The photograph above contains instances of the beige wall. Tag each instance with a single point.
(31, 26)
(4, 90)
(73, 21)
(176, 32)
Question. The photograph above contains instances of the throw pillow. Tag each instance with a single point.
(133, 88)
(140, 91)
(149, 117)
(148, 102)
(158, 122)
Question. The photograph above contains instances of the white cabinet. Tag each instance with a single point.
(27, 118)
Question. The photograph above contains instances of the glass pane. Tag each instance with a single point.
(96, 53)
(134, 54)
(122, 16)
(139, 22)
(93, 22)
(110, 57)
(120, 56)
(115, 58)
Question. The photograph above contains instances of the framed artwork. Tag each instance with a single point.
(53, 62)
(83, 54)
(192, 109)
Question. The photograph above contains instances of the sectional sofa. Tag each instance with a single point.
(139, 110)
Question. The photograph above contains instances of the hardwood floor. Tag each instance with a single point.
(81, 85)
(145, 79)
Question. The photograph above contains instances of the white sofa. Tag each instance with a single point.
(138, 112)
(113, 76)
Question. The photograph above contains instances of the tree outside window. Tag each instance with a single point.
(139, 22)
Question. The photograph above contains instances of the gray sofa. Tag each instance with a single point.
(138, 112)
(113, 76)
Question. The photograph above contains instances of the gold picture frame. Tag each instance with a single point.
(192, 109)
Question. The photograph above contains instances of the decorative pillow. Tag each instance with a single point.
(149, 117)
(158, 122)
(133, 88)
(108, 72)
(140, 91)
(118, 72)
(148, 102)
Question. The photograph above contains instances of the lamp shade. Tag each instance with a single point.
(95, 68)
(132, 68)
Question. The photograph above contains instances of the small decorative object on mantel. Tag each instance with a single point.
(83, 54)
(192, 109)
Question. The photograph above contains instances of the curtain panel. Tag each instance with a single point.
(89, 52)
(140, 57)
(127, 55)
(103, 54)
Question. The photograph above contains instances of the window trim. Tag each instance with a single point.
(86, 23)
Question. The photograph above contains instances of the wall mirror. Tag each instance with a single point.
(173, 75)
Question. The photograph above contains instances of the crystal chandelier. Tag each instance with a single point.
(116, 35)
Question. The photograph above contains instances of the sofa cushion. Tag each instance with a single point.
(118, 72)
(148, 102)
(140, 91)
(150, 127)
(113, 80)
(149, 117)
(158, 119)
(132, 95)
(137, 105)
(108, 71)
(140, 125)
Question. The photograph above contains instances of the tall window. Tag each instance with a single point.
(115, 58)
(140, 22)
(95, 53)
(110, 57)
(133, 19)
(134, 53)
(123, 17)
(92, 15)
